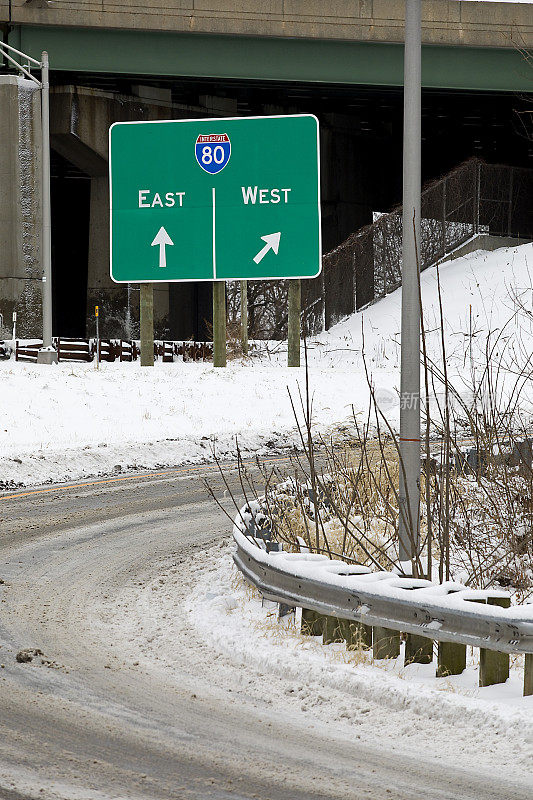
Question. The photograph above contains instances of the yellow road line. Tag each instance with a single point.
(180, 471)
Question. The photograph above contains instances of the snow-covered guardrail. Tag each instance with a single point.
(448, 612)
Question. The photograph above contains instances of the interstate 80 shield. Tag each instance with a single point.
(212, 151)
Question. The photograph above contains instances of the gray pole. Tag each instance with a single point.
(97, 315)
(147, 324)
(244, 317)
(219, 324)
(295, 307)
(410, 359)
(47, 354)
(46, 231)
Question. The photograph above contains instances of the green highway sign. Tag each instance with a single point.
(215, 199)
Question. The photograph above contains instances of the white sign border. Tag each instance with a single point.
(213, 280)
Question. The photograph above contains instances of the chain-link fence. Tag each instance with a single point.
(476, 198)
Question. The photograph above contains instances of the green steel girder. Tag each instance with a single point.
(299, 60)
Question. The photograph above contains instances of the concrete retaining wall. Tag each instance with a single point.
(20, 205)
(483, 242)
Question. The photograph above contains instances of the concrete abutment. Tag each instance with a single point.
(79, 124)
(20, 206)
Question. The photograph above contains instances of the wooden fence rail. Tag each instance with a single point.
(110, 350)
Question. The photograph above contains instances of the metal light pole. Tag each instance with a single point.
(48, 354)
(97, 319)
(409, 497)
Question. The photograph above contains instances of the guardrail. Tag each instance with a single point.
(349, 601)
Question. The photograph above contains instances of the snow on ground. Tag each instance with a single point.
(481, 293)
(207, 604)
(227, 611)
(70, 421)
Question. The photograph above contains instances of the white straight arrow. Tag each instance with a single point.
(272, 243)
(162, 239)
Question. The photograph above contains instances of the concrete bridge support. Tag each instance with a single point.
(20, 207)
(80, 124)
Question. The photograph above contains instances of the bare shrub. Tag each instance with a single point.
(476, 519)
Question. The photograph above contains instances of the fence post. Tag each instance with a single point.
(147, 325)
(295, 303)
(478, 196)
(528, 674)
(244, 317)
(444, 216)
(418, 649)
(522, 457)
(386, 642)
(97, 316)
(219, 324)
(331, 631)
(356, 634)
(494, 666)
(312, 623)
(510, 210)
(323, 298)
(451, 659)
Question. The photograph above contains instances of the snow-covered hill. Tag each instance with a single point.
(71, 420)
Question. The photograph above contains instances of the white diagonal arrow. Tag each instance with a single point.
(272, 243)
(162, 239)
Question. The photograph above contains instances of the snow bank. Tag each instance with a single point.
(480, 293)
(70, 421)
(226, 612)
(269, 665)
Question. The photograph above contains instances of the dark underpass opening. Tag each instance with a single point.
(70, 196)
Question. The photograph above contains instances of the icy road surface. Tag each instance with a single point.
(109, 714)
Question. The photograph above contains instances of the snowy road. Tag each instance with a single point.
(93, 722)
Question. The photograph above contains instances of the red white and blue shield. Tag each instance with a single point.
(212, 151)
